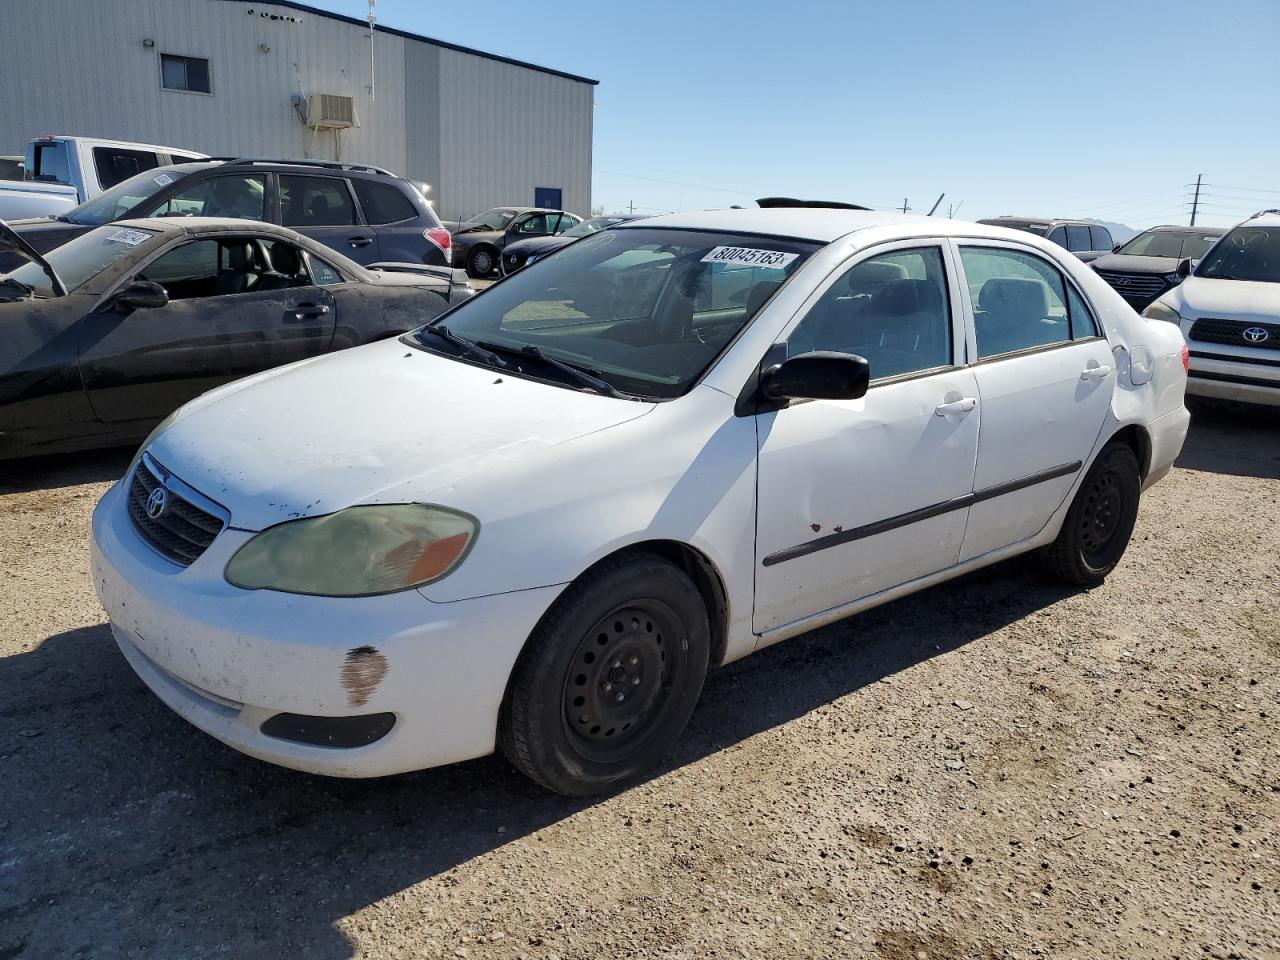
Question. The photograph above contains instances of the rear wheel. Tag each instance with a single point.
(480, 263)
(1100, 520)
(609, 679)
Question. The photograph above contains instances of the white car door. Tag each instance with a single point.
(1045, 377)
(856, 496)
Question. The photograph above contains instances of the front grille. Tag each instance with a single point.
(1139, 286)
(1232, 333)
(181, 531)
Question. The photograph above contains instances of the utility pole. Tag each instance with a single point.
(904, 205)
(1195, 203)
(952, 208)
(936, 204)
(631, 206)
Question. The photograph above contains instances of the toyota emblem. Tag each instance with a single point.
(157, 503)
(1256, 334)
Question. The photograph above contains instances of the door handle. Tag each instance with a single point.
(305, 310)
(961, 406)
(359, 241)
(1096, 372)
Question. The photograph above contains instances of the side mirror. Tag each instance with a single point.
(1185, 266)
(819, 375)
(142, 294)
(1116, 248)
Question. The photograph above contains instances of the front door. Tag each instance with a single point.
(230, 314)
(857, 496)
(1045, 378)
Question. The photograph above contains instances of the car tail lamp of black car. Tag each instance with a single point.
(440, 237)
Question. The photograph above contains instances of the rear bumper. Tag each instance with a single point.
(1167, 434)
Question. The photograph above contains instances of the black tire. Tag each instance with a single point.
(481, 262)
(609, 677)
(1100, 520)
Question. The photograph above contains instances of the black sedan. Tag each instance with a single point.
(524, 252)
(109, 333)
(478, 242)
(1147, 265)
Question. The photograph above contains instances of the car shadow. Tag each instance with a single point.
(125, 831)
(1241, 439)
(65, 469)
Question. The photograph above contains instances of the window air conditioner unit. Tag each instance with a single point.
(328, 111)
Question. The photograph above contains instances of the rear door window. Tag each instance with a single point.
(1101, 238)
(115, 165)
(316, 202)
(383, 203)
(1019, 300)
(1059, 236)
(1078, 238)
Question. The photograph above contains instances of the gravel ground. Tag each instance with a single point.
(994, 768)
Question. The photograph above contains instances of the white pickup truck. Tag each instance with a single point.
(64, 172)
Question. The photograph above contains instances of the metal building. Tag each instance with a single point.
(238, 77)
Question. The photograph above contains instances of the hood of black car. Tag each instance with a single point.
(1126, 263)
(468, 238)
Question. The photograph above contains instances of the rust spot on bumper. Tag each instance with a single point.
(361, 673)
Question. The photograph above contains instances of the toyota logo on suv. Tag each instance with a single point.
(1256, 334)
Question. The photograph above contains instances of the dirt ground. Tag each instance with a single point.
(993, 768)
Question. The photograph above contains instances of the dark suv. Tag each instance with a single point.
(1147, 266)
(1086, 240)
(364, 212)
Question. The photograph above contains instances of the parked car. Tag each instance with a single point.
(535, 523)
(1147, 265)
(364, 212)
(478, 243)
(11, 167)
(524, 252)
(1085, 239)
(62, 172)
(109, 333)
(1228, 307)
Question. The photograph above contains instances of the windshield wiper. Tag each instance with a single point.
(579, 375)
(469, 347)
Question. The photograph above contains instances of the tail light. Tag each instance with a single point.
(1186, 359)
(440, 237)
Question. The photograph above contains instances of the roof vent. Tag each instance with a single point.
(329, 111)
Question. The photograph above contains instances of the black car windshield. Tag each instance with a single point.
(645, 310)
(78, 261)
(491, 219)
(1167, 243)
(124, 196)
(594, 225)
(1246, 253)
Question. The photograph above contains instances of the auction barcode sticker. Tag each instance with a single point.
(131, 237)
(750, 257)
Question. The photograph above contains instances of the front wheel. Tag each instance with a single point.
(1100, 521)
(609, 677)
(480, 263)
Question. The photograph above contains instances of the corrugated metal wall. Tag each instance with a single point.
(480, 131)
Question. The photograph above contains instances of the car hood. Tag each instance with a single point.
(465, 238)
(538, 246)
(1127, 263)
(1229, 299)
(385, 423)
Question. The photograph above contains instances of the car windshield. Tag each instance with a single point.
(588, 227)
(1166, 243)
(124, 196)
(1246, 253)
(80, 260)
(645, 310)
(491, 219)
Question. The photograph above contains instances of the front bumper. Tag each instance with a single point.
(1249, 380)
(228, 659)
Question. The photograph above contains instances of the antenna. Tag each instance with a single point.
(373, 86)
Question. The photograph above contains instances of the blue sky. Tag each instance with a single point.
(1088, 108)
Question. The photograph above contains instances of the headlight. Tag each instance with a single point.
(1161, 311)
(161, 427)
(356, 552)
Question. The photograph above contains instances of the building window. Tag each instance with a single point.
(184, 73)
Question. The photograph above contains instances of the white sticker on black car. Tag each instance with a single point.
(130, 237)
(750, 257)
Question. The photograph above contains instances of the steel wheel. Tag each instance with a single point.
(621, 676)
(481, 262)
(1100, 521)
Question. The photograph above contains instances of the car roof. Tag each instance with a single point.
(1267, 218)
(808, 223)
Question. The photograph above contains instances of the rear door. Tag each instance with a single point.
(324, 208)
(229, 315)
(1045, 376)
(399, 225)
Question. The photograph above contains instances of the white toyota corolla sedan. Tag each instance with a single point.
(537, 522)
